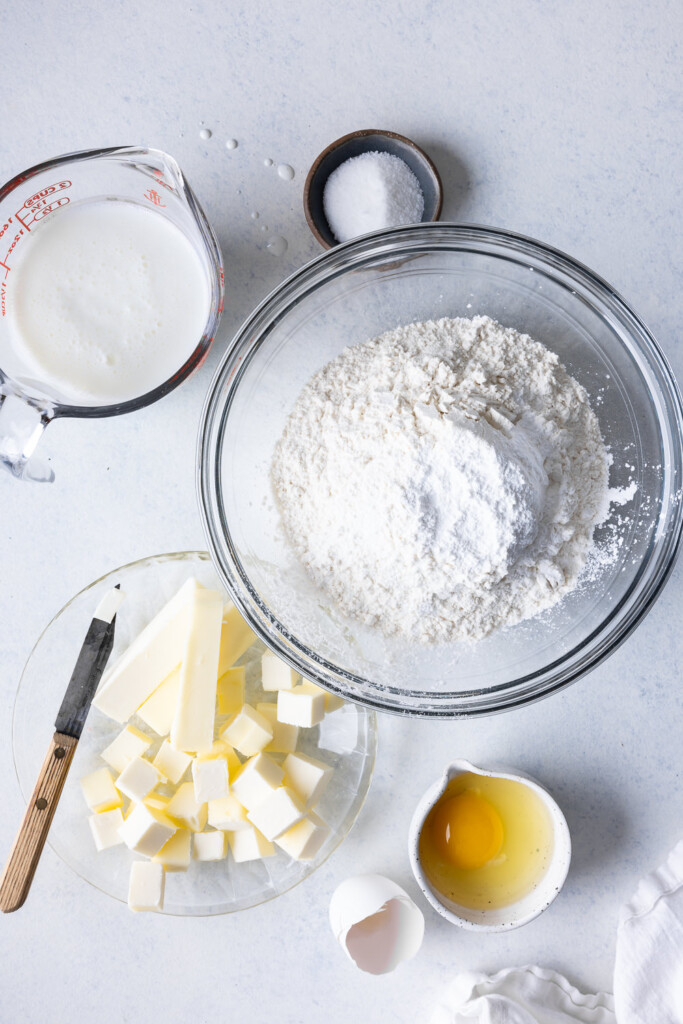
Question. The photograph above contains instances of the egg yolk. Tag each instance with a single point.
(467, 830)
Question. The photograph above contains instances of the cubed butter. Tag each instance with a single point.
(210, 846)
(210, 778)
(157, 802)
(285, 737)
(250, 844)
(151, 657)
(277, 813)
(275, 674)
(219, 748)
(146, 886)
(236, 638)
(332, 701)
(248, 732)
(193, 724)
(158, 711)
(100, 792)
(300, 707)
(137, 779)
(105, 828)
(307, 777)
(145, 830)
(172, 763)
(129, 743)
(185, 810)
(231, 691)
(227, 814)
(259, 776)
(303, 841)
(175, 855)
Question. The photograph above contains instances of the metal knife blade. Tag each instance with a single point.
(89, 667)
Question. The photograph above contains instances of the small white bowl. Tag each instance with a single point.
(531, 905)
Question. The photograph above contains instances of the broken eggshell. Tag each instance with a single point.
(376, 923)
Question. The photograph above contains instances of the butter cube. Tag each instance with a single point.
(275, 675)
(279, 812)
(236, 638)
(175, 855)
(231, 691)
(299, 707)
(248, 732)
(307, 777)
(145, 830)
(185, 810)
(210, 846)
(227, 814)
(259, 776)
(303, 841)
(219, 748)
(250, 844)
(99, 791)
(172, 763)
(332, 701)
(158, 710)
(129, 743)
(105, 828)
(157, 802)
(137, 779)
(146, 886)
(210, 778)
(285, 737)
(193, 723)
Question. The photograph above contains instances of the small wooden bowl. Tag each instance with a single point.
(366, 141)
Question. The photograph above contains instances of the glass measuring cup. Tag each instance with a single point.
(147, 177)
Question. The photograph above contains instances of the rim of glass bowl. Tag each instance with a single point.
(402, 244)
(356, 806)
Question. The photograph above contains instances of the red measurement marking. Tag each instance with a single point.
(159, 175)
(45, 192)
(32, 207)
(43, 212)
(154, 197)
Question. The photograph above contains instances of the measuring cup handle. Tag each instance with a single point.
(22, 423)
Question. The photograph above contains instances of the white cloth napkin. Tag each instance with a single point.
(521, 995)
(648, 973)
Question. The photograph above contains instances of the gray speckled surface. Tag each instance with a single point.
(561, 122)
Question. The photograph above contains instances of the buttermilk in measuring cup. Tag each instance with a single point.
(110, 299)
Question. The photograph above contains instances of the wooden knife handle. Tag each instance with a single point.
(23, 859)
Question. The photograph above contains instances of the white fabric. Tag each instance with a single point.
(521, 995)
(648, 974)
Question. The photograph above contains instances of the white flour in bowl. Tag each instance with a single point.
(442, 480)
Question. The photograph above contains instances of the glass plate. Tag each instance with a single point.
(346, 739)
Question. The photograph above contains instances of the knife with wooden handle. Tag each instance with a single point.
(24, 856)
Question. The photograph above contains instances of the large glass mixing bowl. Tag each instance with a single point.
(371, 285)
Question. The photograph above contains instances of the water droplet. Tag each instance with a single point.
(277, 245)
(267, 162)
(254, 214)
(264, 227)
(205, 133)
(285, 171)
(231, 144)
